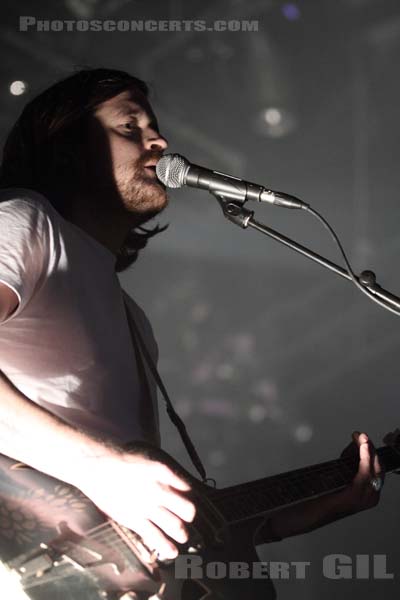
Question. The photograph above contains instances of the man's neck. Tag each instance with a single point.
(108, 226)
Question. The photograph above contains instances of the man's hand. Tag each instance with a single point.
(142, 494)
(132, 487)
(361, 494)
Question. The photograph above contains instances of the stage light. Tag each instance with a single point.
(17, 88)
(303, 433)
(273, 116)
(257, 413)
(84, 9)
(225, 371)
(275, 122)
(291, 11)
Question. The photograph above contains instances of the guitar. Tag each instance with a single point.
(56, 543)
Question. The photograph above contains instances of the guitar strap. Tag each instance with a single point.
(142, 352)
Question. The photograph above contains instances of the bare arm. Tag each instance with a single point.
(141, 493)
(34, 436)
(31, 434)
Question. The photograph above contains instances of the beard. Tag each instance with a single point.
(140, 192)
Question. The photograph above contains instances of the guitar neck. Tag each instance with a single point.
(247, 500)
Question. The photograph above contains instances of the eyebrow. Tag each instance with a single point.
(128, 111)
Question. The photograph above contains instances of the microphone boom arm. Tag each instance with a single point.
(241, 216)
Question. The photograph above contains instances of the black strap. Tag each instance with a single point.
(146, 414)
(173, 415)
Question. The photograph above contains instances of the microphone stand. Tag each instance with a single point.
(237, 214)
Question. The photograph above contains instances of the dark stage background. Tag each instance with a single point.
(271, 360)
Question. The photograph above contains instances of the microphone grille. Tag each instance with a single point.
(171, 170)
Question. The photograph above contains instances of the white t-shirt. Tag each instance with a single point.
(67, 346)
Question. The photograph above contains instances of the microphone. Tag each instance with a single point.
(174, 171)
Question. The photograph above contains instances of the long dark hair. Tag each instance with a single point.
(50, 128)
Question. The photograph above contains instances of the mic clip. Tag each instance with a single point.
(234, 210)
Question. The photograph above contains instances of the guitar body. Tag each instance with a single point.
(37, 509)
(59, 546)
(64, 548)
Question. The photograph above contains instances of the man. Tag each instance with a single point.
(79, 184)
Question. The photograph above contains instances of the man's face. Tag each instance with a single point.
(125, 145)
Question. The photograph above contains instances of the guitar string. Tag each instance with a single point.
(308, 472)
(334, 467)
(99, 532)
(68, 569)
(313, 475)
(280, 481)
(119, 544)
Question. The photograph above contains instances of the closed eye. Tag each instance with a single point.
(130, 126)
(131, 130)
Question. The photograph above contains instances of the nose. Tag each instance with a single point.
(155, 141)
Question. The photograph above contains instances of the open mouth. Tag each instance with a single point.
(151, 169)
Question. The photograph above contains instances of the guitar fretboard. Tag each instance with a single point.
(241, 502)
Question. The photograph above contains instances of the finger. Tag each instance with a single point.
(170, 524)
(167, 476)
(364, 466)
(375, 466)
(359, 438)
(155, 540)
(178, 504)
(351, 450)
(378, 469)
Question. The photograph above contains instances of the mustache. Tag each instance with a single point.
(150, 156)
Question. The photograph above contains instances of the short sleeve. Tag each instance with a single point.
(24, 243)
